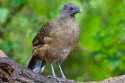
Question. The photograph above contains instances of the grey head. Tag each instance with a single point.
(69, 9)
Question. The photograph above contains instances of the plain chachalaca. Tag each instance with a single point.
(55, 40)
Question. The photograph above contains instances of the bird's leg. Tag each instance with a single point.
(53, 72)
(60, 69)
(63, 76)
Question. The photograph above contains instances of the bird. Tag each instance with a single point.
(55, 40)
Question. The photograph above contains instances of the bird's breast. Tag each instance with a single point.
(64, 38)
(69, 33)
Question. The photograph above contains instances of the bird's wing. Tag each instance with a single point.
(39, 38)
(44, 32)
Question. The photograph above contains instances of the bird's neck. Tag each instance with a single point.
(65, 16)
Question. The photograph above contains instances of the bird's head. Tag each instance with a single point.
(70, 9)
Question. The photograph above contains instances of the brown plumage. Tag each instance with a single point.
(56, 39)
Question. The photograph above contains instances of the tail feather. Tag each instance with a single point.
(36, 65)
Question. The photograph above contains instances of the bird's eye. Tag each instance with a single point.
(71, 8)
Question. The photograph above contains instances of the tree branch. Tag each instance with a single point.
(11, 72)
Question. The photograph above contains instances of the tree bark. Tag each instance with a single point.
(11, 72)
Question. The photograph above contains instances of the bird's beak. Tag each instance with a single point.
(78, 11)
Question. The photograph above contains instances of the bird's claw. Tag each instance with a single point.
(53, 77)
(64, 79)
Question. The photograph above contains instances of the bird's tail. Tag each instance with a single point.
(36, 65)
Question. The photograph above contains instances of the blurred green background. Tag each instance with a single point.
(101, 50)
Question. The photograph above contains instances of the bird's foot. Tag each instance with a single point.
(53, 77)
(66, 80)
(63, 79)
